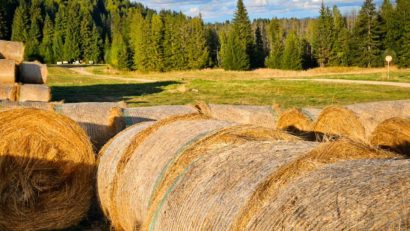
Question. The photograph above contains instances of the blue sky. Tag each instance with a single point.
(219, 10)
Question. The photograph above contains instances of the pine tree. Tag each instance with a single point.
(46, 48)
(292, 55)
(59, 34)
(213, 46)
(274, 59)
(403, 9)
(3, 21)
(138, 39)
(240, 44)
(259, 55)
(21, 23)
(198, 54)
(340, 48)
(324, 36)
(388, 26)
(367, 37)
(32, 51)
(90, 39)
(72, 50)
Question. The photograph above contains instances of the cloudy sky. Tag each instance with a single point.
(220, 10)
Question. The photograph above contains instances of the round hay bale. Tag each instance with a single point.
(297, 120)
(243, 114)
(340, 121)
(34, 92)
(328, 153)
(393, 134)
(33, 72)
(12, 50)
(8, 105)
(351, 195)
(7, 71)
(101, 121)
(141, 114)
(47, 167)
(8, 92)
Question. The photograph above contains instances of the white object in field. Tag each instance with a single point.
(90, 62)
(65, 62)
(77, 62)
(388, 60)
(59, 63)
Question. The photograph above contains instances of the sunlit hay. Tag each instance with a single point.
(393, 134)
(47, 169)
(339, 121)
(7, 71)
(34, 92)
(327, 153)
(8, 105)
(12, 50)
(243, 114)
(8, 92)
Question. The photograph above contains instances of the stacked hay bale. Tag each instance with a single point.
(298, 121)
(47, 167)
(31, 75)
(193, 172)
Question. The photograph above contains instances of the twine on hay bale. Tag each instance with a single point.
(34, 92)
(393, 134)
(33, 72)
(328, 153)
(243, 114)
(8, 92)
(101, 121)
(142, 114)
(7, 71)
(351, 195)
(47, 168)
(12, 50)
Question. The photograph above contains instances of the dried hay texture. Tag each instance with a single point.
(47, 167)
(243, 114)
(101, 121)
(12, 50)
(393, 134)
(326, 154)
(8, 105)
(34, 92)
(7, 71)
(142, 114)
(210, 190)
(298, 120)
(358, 121)
(8, 92)
(351, 195)
(33, 72)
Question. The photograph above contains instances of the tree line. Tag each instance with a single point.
(128, 35)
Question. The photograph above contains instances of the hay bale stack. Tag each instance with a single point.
(243, 114)
(359, 120)
(352, 195)
(34, 92)
(8, 105)
(224, 188)
(101, 121)
(7, 71)
(298, 120)
(33, 72)
(393, 134)
(47, 166)
(8, 92)
(141, 114)
(12, 50)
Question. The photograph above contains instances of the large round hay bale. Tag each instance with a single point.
(298, 120)
(34, 92)
(101, 121)
(326, 154)
(12, 50)
(141, 114)
(47, 167)
(243, 114)
(33, 72)
(8, 105)
(7, 71)
(8, 92)
(359, 120)
(393, 134)
(352, 195)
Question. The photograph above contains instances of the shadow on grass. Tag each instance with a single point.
(107, 92)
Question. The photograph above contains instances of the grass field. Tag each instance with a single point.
(260, 87)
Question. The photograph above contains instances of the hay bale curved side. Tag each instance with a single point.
(34, 92)
(125, 200)
(47, 167)
(340, 121)
(7, 71)
(393, 134)
(210, 191)
(8, 105)
(8, 92)
(12, 50)
(101, 121)
(352, 195)
(328, 153)
(264, 116)
(33, 72)
(297, 120)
